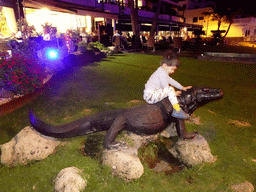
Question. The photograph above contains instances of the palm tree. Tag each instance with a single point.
(216, 13)
(133, 4)
(151, 38)
(230, 16)
(221, 14)
(135, 22)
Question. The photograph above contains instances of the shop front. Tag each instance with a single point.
(88, 24)
(8, 26)
(60, 20)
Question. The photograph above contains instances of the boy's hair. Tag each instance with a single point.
(170, 59)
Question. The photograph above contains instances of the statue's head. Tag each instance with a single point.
(195, 97)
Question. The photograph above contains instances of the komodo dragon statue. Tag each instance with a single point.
(147, 119)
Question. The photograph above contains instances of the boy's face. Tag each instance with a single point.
(169, 69)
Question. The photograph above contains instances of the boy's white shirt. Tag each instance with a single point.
(161, 79)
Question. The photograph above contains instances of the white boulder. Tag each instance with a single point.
(26, 146)
(193, 152)
(170, 131)
(123, 162)
(243, 187)
(69, 180)
(138, 140)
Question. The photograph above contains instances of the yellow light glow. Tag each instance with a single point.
(11, 26)
(44, 11)
(63, 21)
(89, 24)
(140, 3)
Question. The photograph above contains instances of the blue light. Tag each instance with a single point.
(52, 54)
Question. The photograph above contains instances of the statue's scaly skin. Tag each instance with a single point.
(146, 119)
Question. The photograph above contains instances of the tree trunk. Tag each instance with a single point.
(135, 23)
(151, 38)
(230, 23)
(219, 24)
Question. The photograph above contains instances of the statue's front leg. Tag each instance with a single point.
(117, 126)
(181, 130)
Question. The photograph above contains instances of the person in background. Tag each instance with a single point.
(117, 41)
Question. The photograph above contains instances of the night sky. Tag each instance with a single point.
(247, 6)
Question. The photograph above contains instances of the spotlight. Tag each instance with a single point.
(52, 54)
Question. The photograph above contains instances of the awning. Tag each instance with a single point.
(174, 28)
(97, 14)
(123, 27)
(51, 5)
(174, 4)
(145, 27)
(68, 8)
(163, 28)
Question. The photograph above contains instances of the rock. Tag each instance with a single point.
(26, 146)
(170, 131)
(162, 167)
(193, 152)
(243, 187)
(138, 140)
(69, 180)
(6, 94)
(123, 162)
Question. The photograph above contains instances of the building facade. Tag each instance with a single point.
(242, 29)
(92, 16)
(9, 14)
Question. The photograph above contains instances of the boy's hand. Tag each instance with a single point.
(178, 93)
(185, 88)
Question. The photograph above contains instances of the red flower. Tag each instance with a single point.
(13, 62)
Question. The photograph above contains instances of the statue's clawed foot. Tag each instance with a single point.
(189, 135)
(117, 145)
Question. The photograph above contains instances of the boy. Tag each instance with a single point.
(158, 86)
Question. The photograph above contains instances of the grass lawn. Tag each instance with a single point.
(113, 83)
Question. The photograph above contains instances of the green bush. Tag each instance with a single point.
(97, 45)
(82, 47)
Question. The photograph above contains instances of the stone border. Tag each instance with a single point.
(228, 57)
(7, 100)
(234, 55)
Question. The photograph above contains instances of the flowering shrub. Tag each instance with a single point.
(19, 74)
(98, 45)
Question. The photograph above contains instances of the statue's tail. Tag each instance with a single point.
(83, 126)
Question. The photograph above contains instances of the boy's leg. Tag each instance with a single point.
(177, 111)
(152, 97)
(155, 96)
(160, 94)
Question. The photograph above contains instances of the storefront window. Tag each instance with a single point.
(8, 26)
(62, 21)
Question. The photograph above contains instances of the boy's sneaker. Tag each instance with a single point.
(180, 114)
